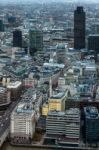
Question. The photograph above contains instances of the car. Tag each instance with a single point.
(2, 125)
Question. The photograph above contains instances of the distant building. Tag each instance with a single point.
(95, 28)
(93, 43)
(90, 70)
(35, 41)
(61, 53)
(97, 93)
(91, 125)
(85, 89)
(49, 73)
(17, 38)
(22, 126)
(79, 28)
(1, 26)
(11, 19)
(16, 71)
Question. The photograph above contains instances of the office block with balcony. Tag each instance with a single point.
(64, 127)
(55, 123)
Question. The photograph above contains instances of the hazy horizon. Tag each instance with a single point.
(48, 1)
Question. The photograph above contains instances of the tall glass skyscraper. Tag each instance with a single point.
(17, 38)
(93, 43)
(35, 41)
(79, 28)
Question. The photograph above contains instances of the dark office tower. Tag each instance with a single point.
(1, 26)
(35, 41)
(17, 38)
(93, 43)
(11, 19)
(79, 28)
(91, 125)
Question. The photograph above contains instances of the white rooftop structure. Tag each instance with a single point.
(92, 68)
(61, 66)
(22, 123)
(73, 111)
(24, 108)
(13, 85)
(58, 95)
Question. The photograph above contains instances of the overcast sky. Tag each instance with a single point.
(14, 1)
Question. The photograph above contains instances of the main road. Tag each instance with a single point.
(5, 122)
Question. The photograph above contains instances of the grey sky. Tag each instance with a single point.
(14, 1)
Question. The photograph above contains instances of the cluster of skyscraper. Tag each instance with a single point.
(35, 42)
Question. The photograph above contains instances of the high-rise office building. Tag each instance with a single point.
(72, 125)
(17, 38)
(61, 52)
(35, 41)
(1, 26)
(55, 123)
(91, 125)
(93, 43)
(79, 28)
(64, 126)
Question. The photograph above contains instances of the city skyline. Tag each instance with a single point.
(49, 74)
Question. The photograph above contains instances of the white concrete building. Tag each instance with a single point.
(22, 127)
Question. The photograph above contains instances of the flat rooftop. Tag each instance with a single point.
(74, 111)
(13, 85)
(24, 108)
(58, 96)
(91, 112)
(56, 113)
